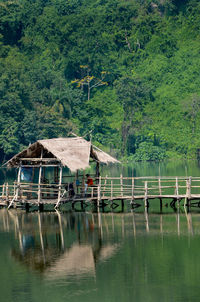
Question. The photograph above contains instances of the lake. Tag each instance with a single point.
(112, 256)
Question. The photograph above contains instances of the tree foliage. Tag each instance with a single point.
(136, 64)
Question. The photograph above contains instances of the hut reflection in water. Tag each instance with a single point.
(71, 244)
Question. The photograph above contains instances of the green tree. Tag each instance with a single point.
(133, 95)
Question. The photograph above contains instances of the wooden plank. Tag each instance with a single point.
(39, 159)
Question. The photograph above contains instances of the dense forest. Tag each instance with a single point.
(124, 72)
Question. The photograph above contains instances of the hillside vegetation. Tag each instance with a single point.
(125, 71)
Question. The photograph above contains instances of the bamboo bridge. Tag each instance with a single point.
(136, 191)
(47, 160)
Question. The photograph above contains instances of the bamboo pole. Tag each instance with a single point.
(7, 192)
(132, 190)
(160, 188)
(177, 191)
(7, 195)
(146, 195)
(99, 192)
(39, 185)
(39, 180)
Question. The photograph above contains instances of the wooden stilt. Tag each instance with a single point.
(122, 203)
(177, 192)
(188, 191)
(27, 206)
(41, 207)
(39, 179)
(7, 192)
(39, 184)
(159, 185)
(161, 205)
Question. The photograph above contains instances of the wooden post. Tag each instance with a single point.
(132, 190)
(188, 191)
(159, 184)
(99, 192)
(177, 192)
(146, 194)
(8, 191)
(39, 184)
(60, 184)
(111, 190)
(161, 205)
(7, 197)
(160, 193)
(39, 180)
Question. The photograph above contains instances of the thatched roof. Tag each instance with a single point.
(71, 152)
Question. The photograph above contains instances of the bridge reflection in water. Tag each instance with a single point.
(71, 244)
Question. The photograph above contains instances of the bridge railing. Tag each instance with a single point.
(152, 187)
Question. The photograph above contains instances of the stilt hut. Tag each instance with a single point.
(75, 153)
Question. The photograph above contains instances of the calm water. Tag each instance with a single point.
(74, 256)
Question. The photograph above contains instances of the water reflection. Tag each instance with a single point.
(56, 244)
(59, 245)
